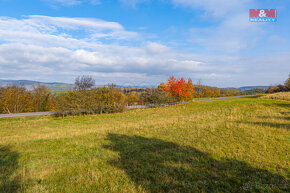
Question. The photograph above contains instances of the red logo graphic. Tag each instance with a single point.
(262, 13)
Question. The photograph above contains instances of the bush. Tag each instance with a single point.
(15, 99)
(253, 91)
(229, 92)
(280, 87)
(210, 92)
(132, 98)
(154, 96)
(99, 100)
(40, 98)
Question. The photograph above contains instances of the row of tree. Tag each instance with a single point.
(253, 91)
(84, 98)
(15, 99)
(92, 101)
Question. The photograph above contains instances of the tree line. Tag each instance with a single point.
(16, 99)
(85, 99)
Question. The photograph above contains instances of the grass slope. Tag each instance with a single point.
(278, 95)
(236, 145)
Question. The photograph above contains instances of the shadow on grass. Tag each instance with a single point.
(285, 105)
(254, 96)
(274, 117)
(285, 113)
(8, 164)
(269, 124)
(160, 166)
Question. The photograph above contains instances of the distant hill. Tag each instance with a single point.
(246, 87)
(251, 87)
(58, 86)
(53, 86)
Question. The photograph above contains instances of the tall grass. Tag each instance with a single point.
(279, 95)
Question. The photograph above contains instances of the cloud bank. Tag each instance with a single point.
(48, 48)
(59, 48)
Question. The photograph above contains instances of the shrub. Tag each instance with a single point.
(229, 92)
(15, 99)
(154, 96)
(210, 92)
(132, 98)
(280, 87)
(40, 98)
(99, 100)
(254, 91)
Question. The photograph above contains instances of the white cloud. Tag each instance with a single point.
(156, 48)
(60, 48)
(74, 23)
(44, 30)
(19, 59)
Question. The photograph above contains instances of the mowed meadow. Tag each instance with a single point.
(234, 145)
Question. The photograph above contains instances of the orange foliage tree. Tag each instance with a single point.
(162, 86)
(179, 88)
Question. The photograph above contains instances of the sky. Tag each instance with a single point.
(143, 42)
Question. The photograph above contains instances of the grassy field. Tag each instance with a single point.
(279, 95)
(235, 145)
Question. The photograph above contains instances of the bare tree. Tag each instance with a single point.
(84, 82)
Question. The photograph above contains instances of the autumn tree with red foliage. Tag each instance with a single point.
(190, 91)
(179, 88)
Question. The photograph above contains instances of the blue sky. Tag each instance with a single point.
(143, 42)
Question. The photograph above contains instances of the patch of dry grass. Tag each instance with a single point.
(278, 95)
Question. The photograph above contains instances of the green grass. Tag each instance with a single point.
(235, 145)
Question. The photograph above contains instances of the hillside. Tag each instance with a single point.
(251, 87)
(53, 86)
(237, 145)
